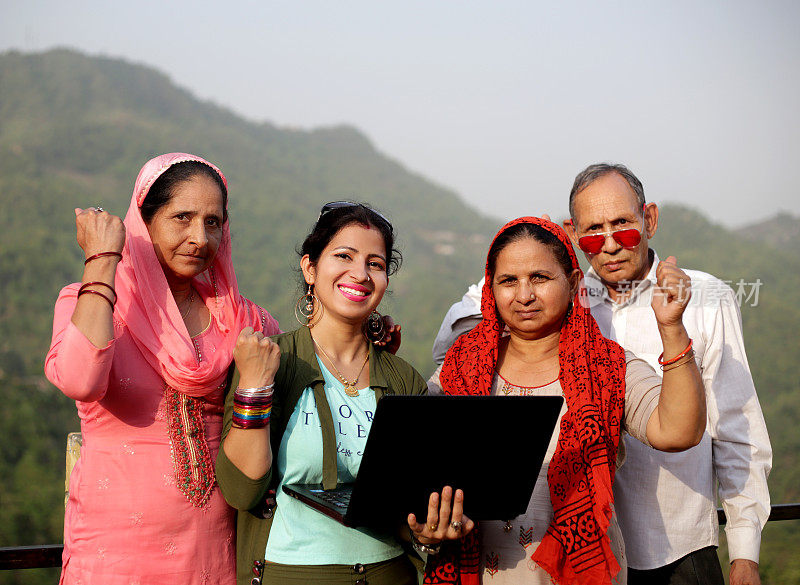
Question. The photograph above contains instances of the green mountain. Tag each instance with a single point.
(781, 232)
(74, 131)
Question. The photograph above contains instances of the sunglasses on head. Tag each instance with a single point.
(628, 239)
(328, 207)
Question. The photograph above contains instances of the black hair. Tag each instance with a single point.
(335, 220)
(536, 232)
(162, 189)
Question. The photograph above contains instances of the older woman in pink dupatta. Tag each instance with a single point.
(144, 346)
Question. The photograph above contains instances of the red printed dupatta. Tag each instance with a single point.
(575, 548)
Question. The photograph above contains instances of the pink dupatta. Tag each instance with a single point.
(146, 306)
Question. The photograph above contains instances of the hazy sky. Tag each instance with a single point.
(502, 101)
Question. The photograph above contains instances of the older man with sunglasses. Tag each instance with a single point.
(666, 502)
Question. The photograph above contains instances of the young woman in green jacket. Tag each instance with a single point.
(302, 411)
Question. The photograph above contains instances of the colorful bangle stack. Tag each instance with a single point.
(252, 407)
(85, 290)
(682, 358)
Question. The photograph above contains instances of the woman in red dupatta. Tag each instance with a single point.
(532, 291)
(144, 345)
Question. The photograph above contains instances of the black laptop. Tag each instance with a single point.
(492, 447)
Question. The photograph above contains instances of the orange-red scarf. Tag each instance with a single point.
(575, 548)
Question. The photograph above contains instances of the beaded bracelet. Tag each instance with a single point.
(663, 363)
(102, 254)
(96, 292)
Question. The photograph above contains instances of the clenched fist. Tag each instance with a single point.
(257, 358)
(99, 231)
(672, 292)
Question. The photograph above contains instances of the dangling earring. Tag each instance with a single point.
(304, 307)
(374, 328)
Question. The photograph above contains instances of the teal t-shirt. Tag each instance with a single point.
(300, 535)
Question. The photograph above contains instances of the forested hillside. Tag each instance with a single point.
(781, 231)
(74, 131)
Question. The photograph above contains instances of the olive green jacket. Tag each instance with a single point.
(298, 370)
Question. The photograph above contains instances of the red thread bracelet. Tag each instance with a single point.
(96, 292)
(663, 363)
(101, 254)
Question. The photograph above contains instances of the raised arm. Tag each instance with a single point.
(257, 359)
(102, 237)
(79, 360)
(679, 420)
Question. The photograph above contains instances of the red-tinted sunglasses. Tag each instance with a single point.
(593, 243)
(628, 239)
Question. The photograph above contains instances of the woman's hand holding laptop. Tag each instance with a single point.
(446, 521)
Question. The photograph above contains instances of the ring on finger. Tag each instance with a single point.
(98, 209)
(433, 527)
(456, 526)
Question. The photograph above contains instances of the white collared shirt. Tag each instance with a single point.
(666, 502)
(461, 317)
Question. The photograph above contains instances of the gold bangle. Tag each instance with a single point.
(682, 362)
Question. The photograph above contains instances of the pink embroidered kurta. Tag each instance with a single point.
(143, 504)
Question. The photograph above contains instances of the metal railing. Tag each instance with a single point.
(778, 512)
(43, 556)
(46, 556)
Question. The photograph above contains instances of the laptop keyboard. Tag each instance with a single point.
(338, 497)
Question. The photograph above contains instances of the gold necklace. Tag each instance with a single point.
(191, 300)
(349, 387)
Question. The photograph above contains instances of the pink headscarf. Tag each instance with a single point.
(146, 305)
